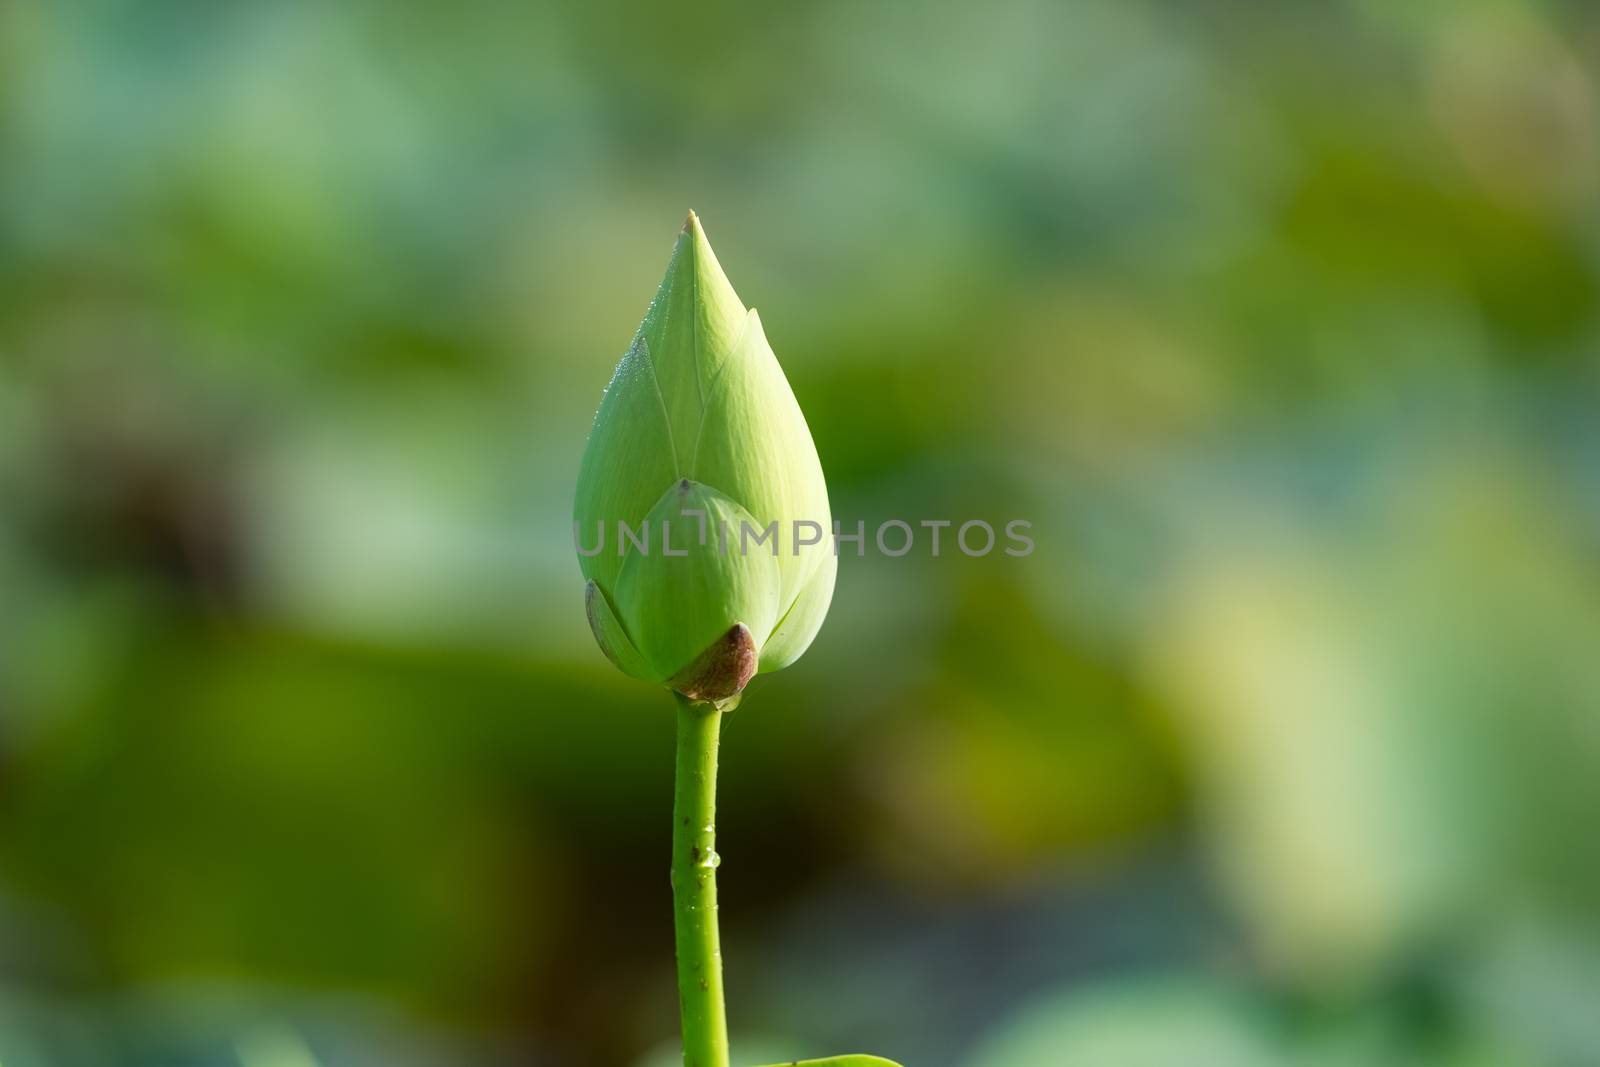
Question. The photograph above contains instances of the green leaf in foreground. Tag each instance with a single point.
(840, 1061)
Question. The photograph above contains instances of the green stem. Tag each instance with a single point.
(694, 887)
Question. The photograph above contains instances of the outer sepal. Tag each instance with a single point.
(612, 636)
(799, 626)
(680, 605)
(720, 673)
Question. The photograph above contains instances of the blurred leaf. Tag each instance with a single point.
(1152, 1023)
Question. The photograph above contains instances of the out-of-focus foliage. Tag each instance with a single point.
(1279, 322)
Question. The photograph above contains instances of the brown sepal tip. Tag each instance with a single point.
(722, 671)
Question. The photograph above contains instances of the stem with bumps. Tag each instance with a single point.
(694, 886)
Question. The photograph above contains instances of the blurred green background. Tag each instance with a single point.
(1279, 322)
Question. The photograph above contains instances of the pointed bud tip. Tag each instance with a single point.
(692, 240)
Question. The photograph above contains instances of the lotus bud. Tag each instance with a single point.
(702, 488)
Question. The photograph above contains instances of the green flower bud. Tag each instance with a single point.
(700, 448)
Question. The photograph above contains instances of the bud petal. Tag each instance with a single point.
(754, 446)
(629, 459)
(652, 410)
